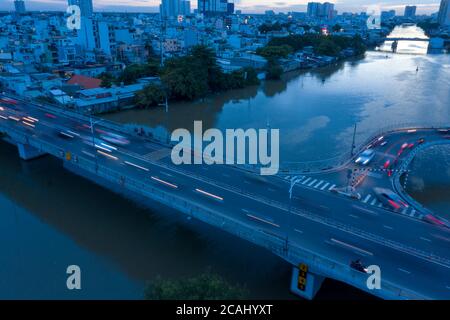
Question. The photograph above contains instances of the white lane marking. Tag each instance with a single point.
(388, 227)
(166, 174)
(403, 270)
(346, 245)
(262, 220)
(306, 181)
(107, 155)
(209, 194)
(312, 182)
(353, 216)
(67, 135)
(136, 166)
(88, 154)
(425, 239)
(365, 210)
(14, 118)
(438, 236)
(299, 231)
(165, 182)
(367, 198)
(318, 185)
(326, 185)
(4, 118)
(373, 202)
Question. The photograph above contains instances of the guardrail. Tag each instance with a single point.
(292, 252)
(343, 159)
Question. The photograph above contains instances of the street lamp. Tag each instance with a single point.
(92, 124)
(293, 181)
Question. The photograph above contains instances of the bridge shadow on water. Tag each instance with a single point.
(141, 242)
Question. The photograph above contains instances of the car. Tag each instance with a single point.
(404, 146)
(444, 131)
(421, 141)
(433, 220)
(390, 199)
(365, 157)
(115, 139)
(383, 143)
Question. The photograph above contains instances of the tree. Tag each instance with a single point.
(337, 27)
(273, 70)
(328, 48)
(107, 80)
(207, 286)
(150, 96)
(274, 52)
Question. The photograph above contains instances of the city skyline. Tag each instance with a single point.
(250, 6)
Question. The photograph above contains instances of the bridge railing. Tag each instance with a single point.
(276, 243)
(343, 159)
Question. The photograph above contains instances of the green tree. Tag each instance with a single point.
(207, 286)
(150, 96)
(328, 48)
(273, 70)
(107, 80)
(274, 52)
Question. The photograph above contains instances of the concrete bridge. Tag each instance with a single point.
(407, 39)
(314, 229)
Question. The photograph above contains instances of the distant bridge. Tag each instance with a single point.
(408, 39)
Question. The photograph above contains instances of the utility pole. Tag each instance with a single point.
(353, 142)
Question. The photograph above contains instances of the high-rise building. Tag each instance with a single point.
(410, 11)
(215, 7)
(174, 8)
(86, 7)
(19, 5)
(321, 10)
(444, 13)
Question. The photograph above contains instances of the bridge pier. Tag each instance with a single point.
(305, 284)
(27, 152)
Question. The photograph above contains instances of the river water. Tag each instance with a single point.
(50, 219)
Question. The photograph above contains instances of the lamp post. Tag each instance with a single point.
(294, 181)
(92, 124)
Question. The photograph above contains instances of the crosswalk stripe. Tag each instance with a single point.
(373, 202)
(312, 182)
(367, 198)
(404, 210)
(332, 187)
(413, 212)
(326, 185)
(317, 185)
(306, 181)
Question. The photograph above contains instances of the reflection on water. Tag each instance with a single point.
(63, 219)
(316, 110)
(429, 181)
(408, 47)
(50, 218)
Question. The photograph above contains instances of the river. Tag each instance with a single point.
(50, 219)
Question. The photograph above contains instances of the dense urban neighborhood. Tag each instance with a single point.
(119, 60)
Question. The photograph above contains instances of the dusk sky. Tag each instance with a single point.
(424, 6)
